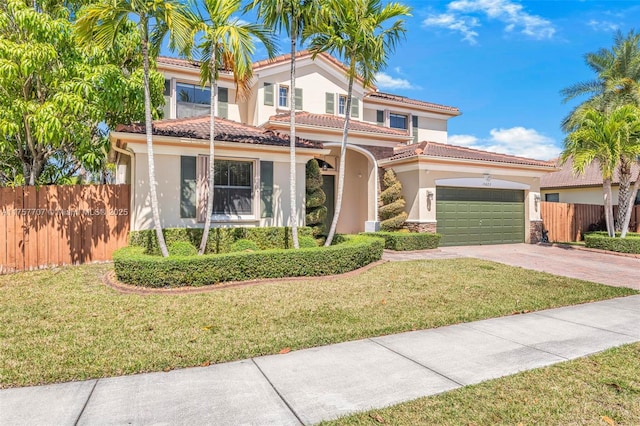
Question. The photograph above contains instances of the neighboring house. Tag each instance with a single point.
(564, 186)
(469, 196)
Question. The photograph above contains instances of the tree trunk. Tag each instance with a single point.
(343, 155)
(608, 207)
(292, 138)
(149, 132)
(629, 209)
(213, 110)
(624, 197)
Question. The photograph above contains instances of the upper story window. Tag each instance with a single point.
(342, 104)
(283, 96)
(398, 121)
(193, 100)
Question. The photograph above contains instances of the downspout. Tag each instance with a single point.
(130, 154)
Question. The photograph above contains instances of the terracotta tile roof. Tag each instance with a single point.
(336, 122)
(179, 62)
(409, 101)
(435, 149)
(226, 130)
(565, 178)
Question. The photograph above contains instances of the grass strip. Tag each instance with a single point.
(602, 389)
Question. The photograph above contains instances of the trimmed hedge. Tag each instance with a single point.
(133, 266)
(220, 239)
(405, 241)
(602, 241)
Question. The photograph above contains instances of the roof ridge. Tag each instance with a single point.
(491, 152)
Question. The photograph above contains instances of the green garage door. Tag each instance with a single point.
(469, 216)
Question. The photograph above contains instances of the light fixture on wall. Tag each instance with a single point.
(429, 199)
(536, 200)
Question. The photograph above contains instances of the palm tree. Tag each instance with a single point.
(227, 44)
(293, 16)
(617, 83)
(359, 32)
(100, 23)
(606, 138)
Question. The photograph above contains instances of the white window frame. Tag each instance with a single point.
(255, 194)
(280, 87)
(342, 107)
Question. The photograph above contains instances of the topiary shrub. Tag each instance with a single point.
(315, 199)
(392, 214)
(404, 241)
(220, 239)
(602, 241)
(307, 242)
(182, 248)
(133, 266)
(244, 245)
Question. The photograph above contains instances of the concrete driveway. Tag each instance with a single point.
(601, 268)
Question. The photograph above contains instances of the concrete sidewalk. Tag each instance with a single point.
(312, 385)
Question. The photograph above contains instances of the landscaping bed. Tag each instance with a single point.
(602, 241)
(133, 266)
(407, 241)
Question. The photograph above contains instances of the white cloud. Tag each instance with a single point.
(459, 18)
(385, 81)
(607, 26)
(398, 70)
(452, 22)
(517, 141)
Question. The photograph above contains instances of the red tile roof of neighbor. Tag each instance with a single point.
(565, 178)
(409, 101)
(336, 122)
(435, 149)
(179, 62)
(226, 130)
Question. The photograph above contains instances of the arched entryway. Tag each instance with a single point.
(360, 197)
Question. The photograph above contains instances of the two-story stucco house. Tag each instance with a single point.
(469, 196)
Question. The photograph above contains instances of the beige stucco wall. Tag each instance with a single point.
(419, 181)
(167, 166)
(314, 81)
(591, 195)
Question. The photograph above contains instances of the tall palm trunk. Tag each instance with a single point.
(629, 208)
(624, 172)
(292, 138)
(149, 133)
(608, 207)
(212, 112)
(343, 155)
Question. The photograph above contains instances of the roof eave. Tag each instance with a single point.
(436, 110)
(419, 158)
(387, 136)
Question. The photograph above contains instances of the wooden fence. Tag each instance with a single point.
(61, 225)
(568, 222)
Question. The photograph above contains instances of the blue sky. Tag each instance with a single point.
(502, 63)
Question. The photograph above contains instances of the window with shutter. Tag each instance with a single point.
(266, 189)
(298, 98)
(187, 187)
(223, 102)
(414, 125)
(330, 103)
(268, 94)
(380, 117)
(355, 107)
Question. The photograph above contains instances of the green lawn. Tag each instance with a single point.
(66, 325)
(602, 389)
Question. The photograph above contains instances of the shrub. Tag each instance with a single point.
(307, 242)
(602, 241)
(182, 248)
(133, 266)
(315, 199)
(392, 214)
(244, 245)
(404, 241)
(220, 239)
